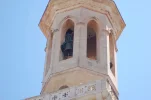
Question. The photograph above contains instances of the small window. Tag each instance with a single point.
(63, 87)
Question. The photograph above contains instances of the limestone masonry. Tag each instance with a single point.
(89, 72)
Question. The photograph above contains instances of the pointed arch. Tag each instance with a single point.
(99, 22)
(66, 26)
(65, 19)
(92, 38)
(63, 87)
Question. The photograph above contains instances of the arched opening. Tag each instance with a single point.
(63, 87)
(67, 37)
(112, 49)
(92, 30)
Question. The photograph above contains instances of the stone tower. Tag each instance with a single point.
(90, 73)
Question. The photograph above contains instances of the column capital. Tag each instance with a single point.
(53, 31)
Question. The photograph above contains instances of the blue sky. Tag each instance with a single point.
(22, 49)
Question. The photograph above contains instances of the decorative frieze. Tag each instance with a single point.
(78, 91)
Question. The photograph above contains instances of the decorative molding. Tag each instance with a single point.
(54, 31)
(94, 87)
(112, 32)
(107, 30)
(106, 7)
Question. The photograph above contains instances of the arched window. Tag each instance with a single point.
(63, 87)
(92, 30)
(112, 49)
(67, 36)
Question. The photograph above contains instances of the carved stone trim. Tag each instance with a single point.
(111, 31)
(54, 31)
(107, 7)
(94, 87)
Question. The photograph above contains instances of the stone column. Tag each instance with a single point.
(115, 58)
(115, 64)
(76, 41)
(48, 55)
(104, 51)
(48, 52)
(83, 44)
(55, 49)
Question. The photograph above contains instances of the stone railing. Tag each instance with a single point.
(78, 91)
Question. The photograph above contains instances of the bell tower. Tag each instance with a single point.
(81, 50)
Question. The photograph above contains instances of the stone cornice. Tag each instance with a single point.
(107, 7)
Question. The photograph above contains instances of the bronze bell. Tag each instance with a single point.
(67, 45)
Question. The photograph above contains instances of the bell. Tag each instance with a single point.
(67, 46)
(67, 49)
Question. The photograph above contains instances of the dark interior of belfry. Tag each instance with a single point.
(67, 43)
